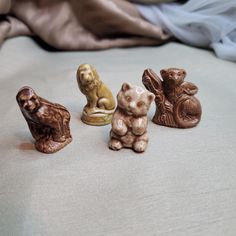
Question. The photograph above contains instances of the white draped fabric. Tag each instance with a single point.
(202, 23)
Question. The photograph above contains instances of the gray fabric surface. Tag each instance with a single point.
(184, 184)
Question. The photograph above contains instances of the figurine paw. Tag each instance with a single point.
(140, 146)
(115, 144)
(138, 130)
(89, 110)
(59, 139)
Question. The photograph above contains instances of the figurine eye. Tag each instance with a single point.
(128, 98)
(179, 74)
(140, 104)
(22, 102)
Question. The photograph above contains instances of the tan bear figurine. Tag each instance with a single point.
(129, 123)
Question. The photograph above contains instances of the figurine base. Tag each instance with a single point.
(187, 123)
(186, 114)
(165, 120)
(50, 146)
(97, 119)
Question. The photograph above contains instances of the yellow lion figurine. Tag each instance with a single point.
(100, 101)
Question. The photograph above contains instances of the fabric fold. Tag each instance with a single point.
(208, 24)
(79, 24)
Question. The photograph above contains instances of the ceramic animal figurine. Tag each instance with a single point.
(129, 123)
(176, 105)
(48, 122)
(100, 101)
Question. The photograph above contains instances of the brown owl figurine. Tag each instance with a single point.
(176, 105)
(48, 122)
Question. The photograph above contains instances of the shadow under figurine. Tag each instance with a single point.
(176, 105)
(100, 101)
(129, 123)
(48, 122)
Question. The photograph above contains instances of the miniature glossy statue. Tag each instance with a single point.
(100, 101)
(48, 122)
(129, 123)
(176, 105)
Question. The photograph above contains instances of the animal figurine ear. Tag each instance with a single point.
(184, 73)
(126, 86)
(151, 97)
(164, 73)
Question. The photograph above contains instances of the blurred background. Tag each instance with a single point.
(96, 25)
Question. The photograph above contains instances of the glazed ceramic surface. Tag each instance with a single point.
(100, 101)
(129, 123)
(176, 105)
(48, 122)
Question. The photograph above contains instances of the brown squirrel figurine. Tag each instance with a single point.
(176, 105)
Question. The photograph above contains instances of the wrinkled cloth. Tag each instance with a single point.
(79, 24)
(150, 1)
(202, 23)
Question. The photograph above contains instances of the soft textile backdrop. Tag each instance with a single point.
(91, 25)
(78, 24)
(202, 23)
